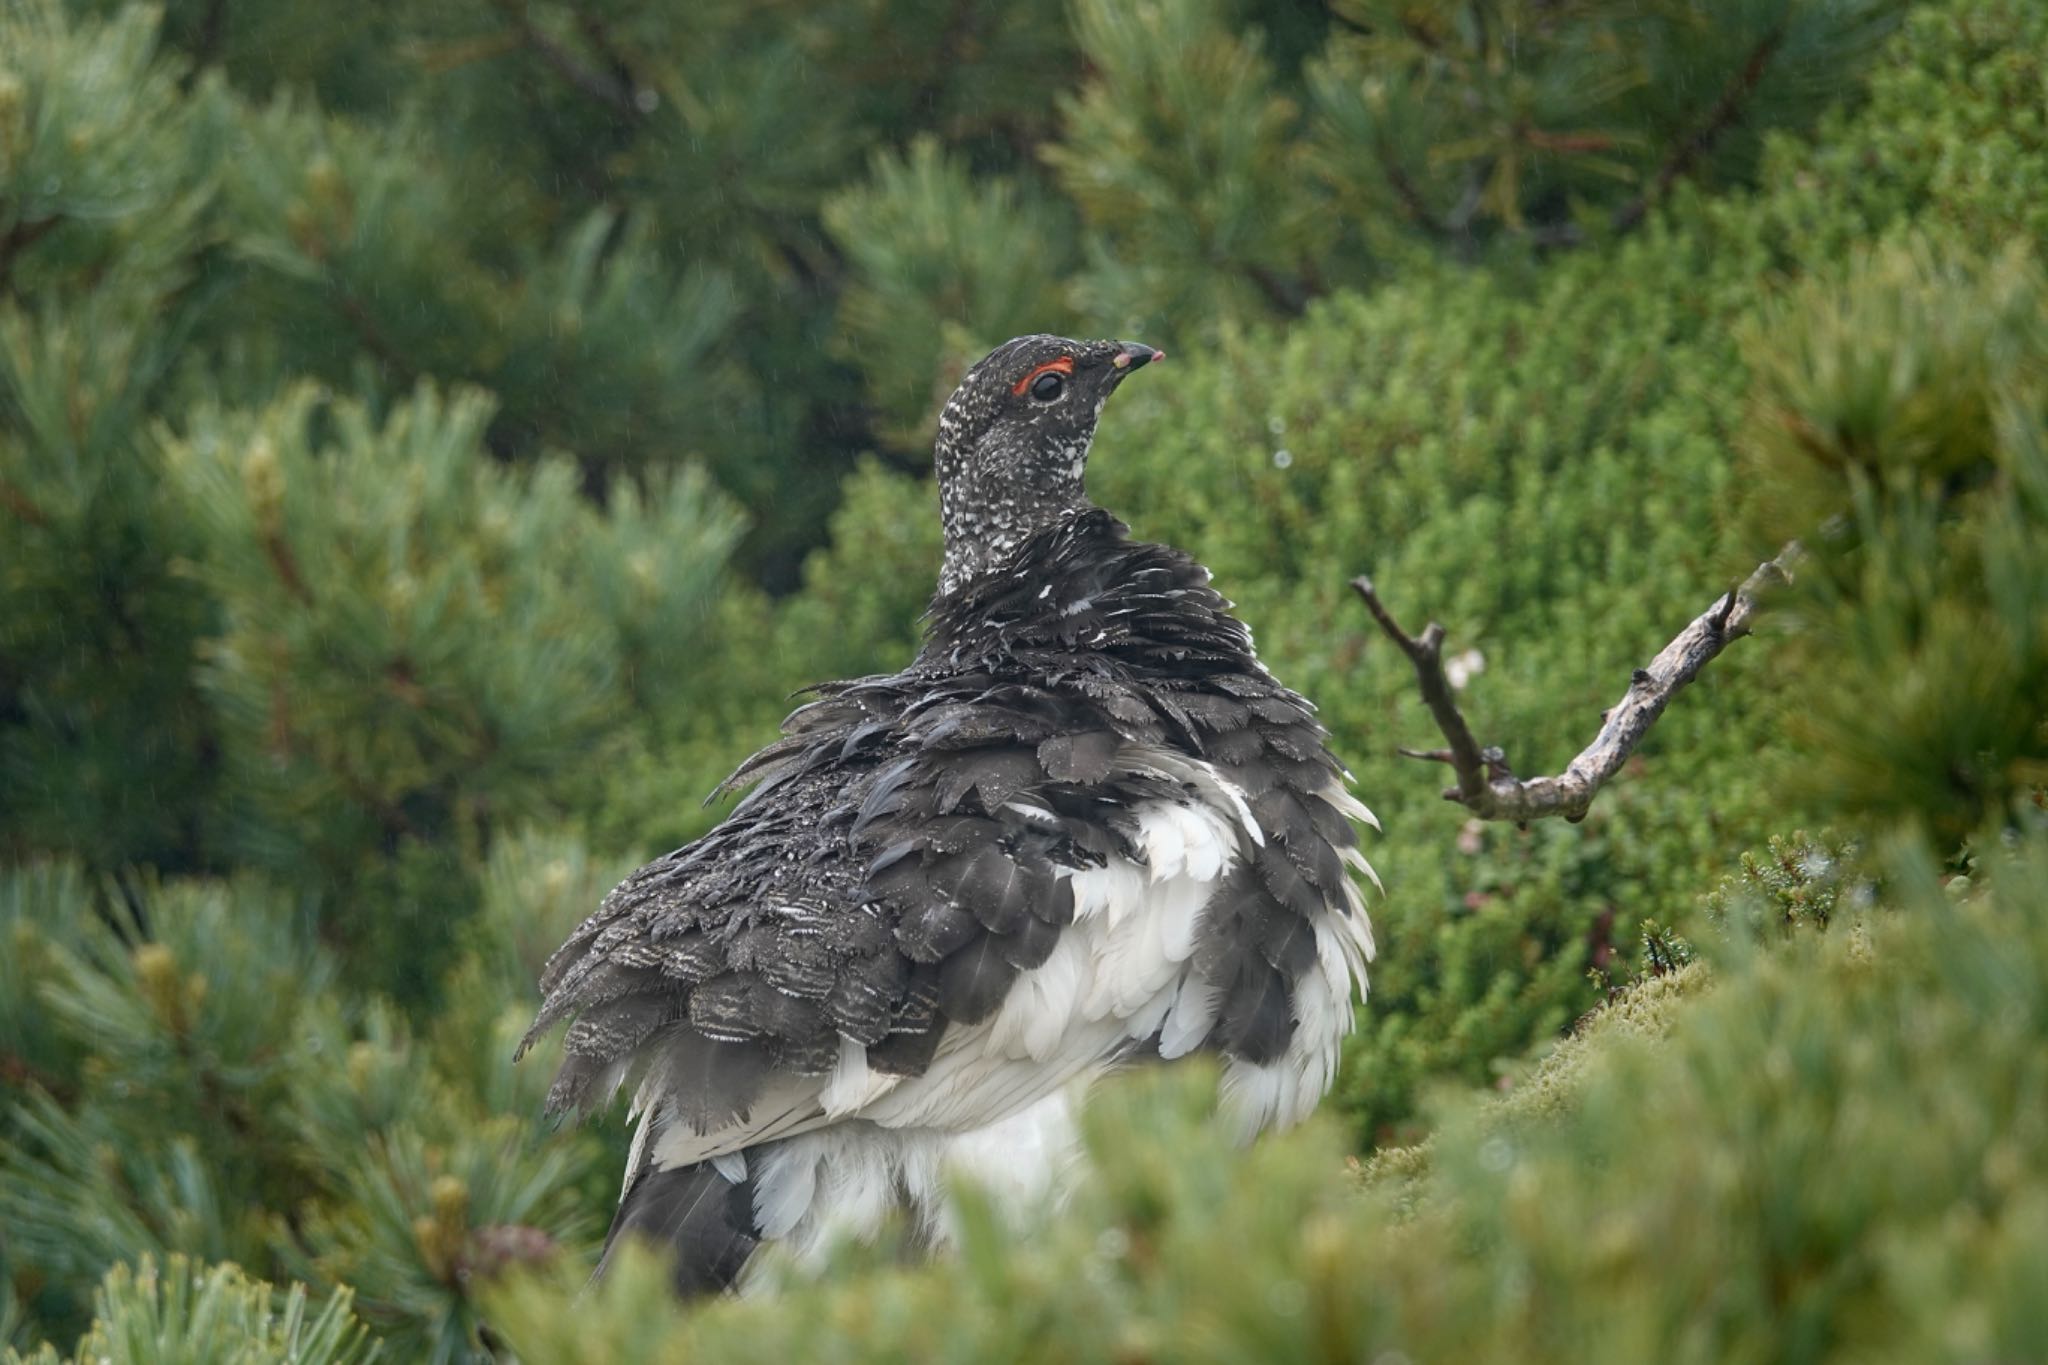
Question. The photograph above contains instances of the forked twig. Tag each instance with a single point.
(1488, 788)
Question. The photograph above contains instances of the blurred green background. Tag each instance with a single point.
(436, 438)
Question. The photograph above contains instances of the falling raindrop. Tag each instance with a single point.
(1282, 458)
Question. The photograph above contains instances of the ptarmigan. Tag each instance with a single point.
(1085, 826)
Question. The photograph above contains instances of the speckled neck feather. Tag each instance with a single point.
(1010, 466)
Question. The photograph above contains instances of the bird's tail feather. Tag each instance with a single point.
(695, 1214)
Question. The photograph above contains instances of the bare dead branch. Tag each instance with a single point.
(1488, 788)
(1427, 655)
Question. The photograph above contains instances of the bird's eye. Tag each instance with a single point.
(1047, 381)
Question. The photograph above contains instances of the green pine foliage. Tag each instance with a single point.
(186, 1314)
(1798, 883)
(1464, 123)
(197, 1086)
(234, 633)
(1901, 426)
(1180, 150)
(417, 644)
(625, 223)
(428, 449)
(946, 266)
(95, 632)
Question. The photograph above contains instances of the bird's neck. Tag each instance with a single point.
(984, 533)
(1083, 595)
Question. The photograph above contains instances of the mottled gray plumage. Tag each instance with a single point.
(910, 848)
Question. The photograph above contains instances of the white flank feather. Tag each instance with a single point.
(852, 1083)
(856, 1184)
(1192, 1016)
(788, 1106)
(1216, 849)
(1110, 892)
(1218, 790)
(1035, 1012)
(819, 1189)
(1128, 949)
(1160, 835)
(639, 1147)
(1147, 1018)
(788, 1180)
(1019, 1159)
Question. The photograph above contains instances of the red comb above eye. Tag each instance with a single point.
(1065, 365)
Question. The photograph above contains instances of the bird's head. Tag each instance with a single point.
(1013, 443)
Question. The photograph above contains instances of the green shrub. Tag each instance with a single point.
(189, 1315)
(1900, 425)
(206, 1092)
(1798, 883)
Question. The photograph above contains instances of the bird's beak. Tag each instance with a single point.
(1135, 355)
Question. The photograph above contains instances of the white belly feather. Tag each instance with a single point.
(996, 1104)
